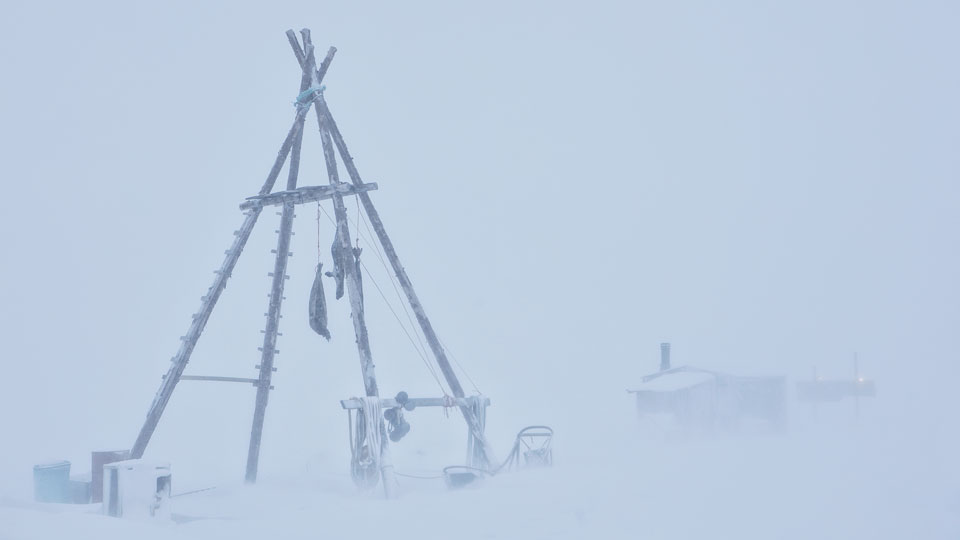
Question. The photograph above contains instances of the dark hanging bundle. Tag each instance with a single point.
(356, 259)
(397, 426)
(318, 305)
(337, 252)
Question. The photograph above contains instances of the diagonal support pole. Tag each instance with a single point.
(189, 341)
(345, 247)
(439, 353)
(179, 362)
(325, 118)
(351, 271)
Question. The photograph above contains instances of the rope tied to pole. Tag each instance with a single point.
(410, 333)
(367, 443)
(308, 96)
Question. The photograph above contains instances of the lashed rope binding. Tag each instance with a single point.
(366, 446)
(478, 455)
(308, 96)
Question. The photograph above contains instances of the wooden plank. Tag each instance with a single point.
(391, 403)
(306, 194)
(219, 379)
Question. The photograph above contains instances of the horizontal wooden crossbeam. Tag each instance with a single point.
(391, 403)
(220, 379)
(305, 195)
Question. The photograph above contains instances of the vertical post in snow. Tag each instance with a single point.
(351, 270)
(269, 350)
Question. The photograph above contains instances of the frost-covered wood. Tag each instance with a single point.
(306, 194)
(218, 379)
(209, 301)
(413, 403)
(350, 267)
(179, 362)
(346, 257)
(473, 423)
(269, 350)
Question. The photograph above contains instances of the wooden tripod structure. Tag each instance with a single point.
(311, 95)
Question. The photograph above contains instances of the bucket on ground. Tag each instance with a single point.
(51, 482)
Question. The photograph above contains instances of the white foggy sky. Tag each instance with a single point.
(768, 186)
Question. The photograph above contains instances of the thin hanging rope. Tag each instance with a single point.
(358, 220)
(393, 282)
(422, 356)
(369, 239)
(397, 317)
(462, 370)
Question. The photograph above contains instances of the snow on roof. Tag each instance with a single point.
(674, 380)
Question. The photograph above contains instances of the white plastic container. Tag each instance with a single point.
(137, 489)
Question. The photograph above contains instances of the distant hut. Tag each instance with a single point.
(701, 398)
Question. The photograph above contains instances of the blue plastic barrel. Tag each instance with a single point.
(51, 482)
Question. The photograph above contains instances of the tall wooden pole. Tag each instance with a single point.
(324, 117)
(439, 353)
(351, 270)
(269, 350)
(189, 341)
(345, 250)
(179, 362)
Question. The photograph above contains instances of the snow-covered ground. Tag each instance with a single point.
(861, 482)
(769, 186)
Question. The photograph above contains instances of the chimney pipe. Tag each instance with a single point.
(664, 356)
